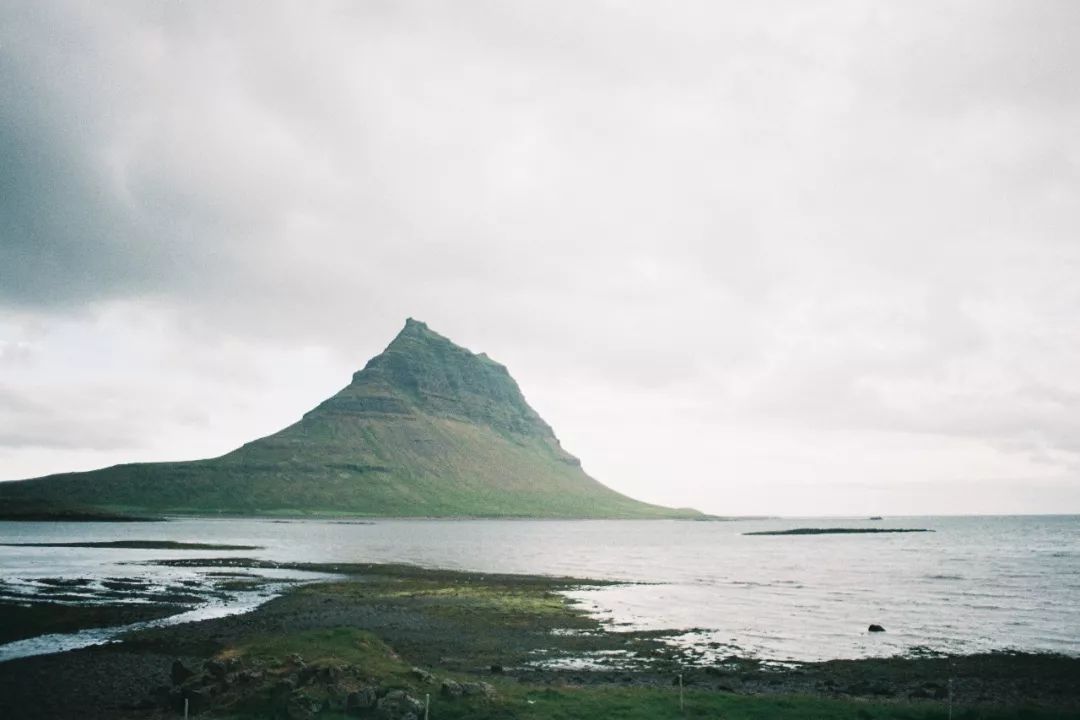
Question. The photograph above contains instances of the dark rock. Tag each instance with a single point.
(214, 669)
(179, 673)
(306, 675)
(451, 689)
(398, 705)
(422, 675)
(302, 707)
(497, 669)
(478, 688)
(363, 699)
(249, 676)
(876, 628)
(335, 702)
(284, 686)
(330, 674)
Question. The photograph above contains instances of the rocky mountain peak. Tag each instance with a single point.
(428, 372)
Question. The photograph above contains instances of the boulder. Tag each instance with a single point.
(422, 675)
(478, 688)
(451, 689)
(180, 673)
(249, 676)
(214, 669)
(330, 674)
(306, 675)
(875, 628)
(284, 686)
(302, 707)
(363, 699)
(497, 669)
(398, 705)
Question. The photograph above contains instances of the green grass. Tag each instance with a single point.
(330, 646)
(653, 703)
(456, 625)
(536, 702)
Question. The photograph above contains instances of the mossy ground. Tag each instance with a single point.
(382, 621)
(388, 619)
(21, 620)
(531, 701)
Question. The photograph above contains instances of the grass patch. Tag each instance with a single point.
(330, 646)
(654, 703)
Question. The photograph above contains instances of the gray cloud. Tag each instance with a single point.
(842, 217)
(81, 420)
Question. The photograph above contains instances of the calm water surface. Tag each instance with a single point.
(976, 583)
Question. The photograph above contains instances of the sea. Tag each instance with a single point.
(973, 584)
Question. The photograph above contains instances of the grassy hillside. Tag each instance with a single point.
(425, 429)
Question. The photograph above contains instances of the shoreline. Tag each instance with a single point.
(515, 632)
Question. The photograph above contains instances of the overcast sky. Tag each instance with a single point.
(769, 257)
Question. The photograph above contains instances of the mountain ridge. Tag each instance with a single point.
(425, 429)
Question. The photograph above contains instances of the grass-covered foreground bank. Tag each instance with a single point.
(385, 639)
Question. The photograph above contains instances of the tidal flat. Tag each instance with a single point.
(135, 545)
(20, 620)
(382, 638)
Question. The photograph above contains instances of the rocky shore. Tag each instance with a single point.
(385, 640)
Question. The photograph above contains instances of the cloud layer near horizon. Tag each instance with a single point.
(779, 259)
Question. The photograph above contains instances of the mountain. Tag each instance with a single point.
(427, 428)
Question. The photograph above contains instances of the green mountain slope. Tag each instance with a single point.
(427, 428)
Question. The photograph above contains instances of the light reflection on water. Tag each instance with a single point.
(976, 583)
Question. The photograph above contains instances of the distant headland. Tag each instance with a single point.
(837, 531)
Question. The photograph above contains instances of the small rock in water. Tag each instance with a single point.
(496, 668)
(876, 628)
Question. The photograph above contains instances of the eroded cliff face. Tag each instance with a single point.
(426, 428)
(424, 372)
